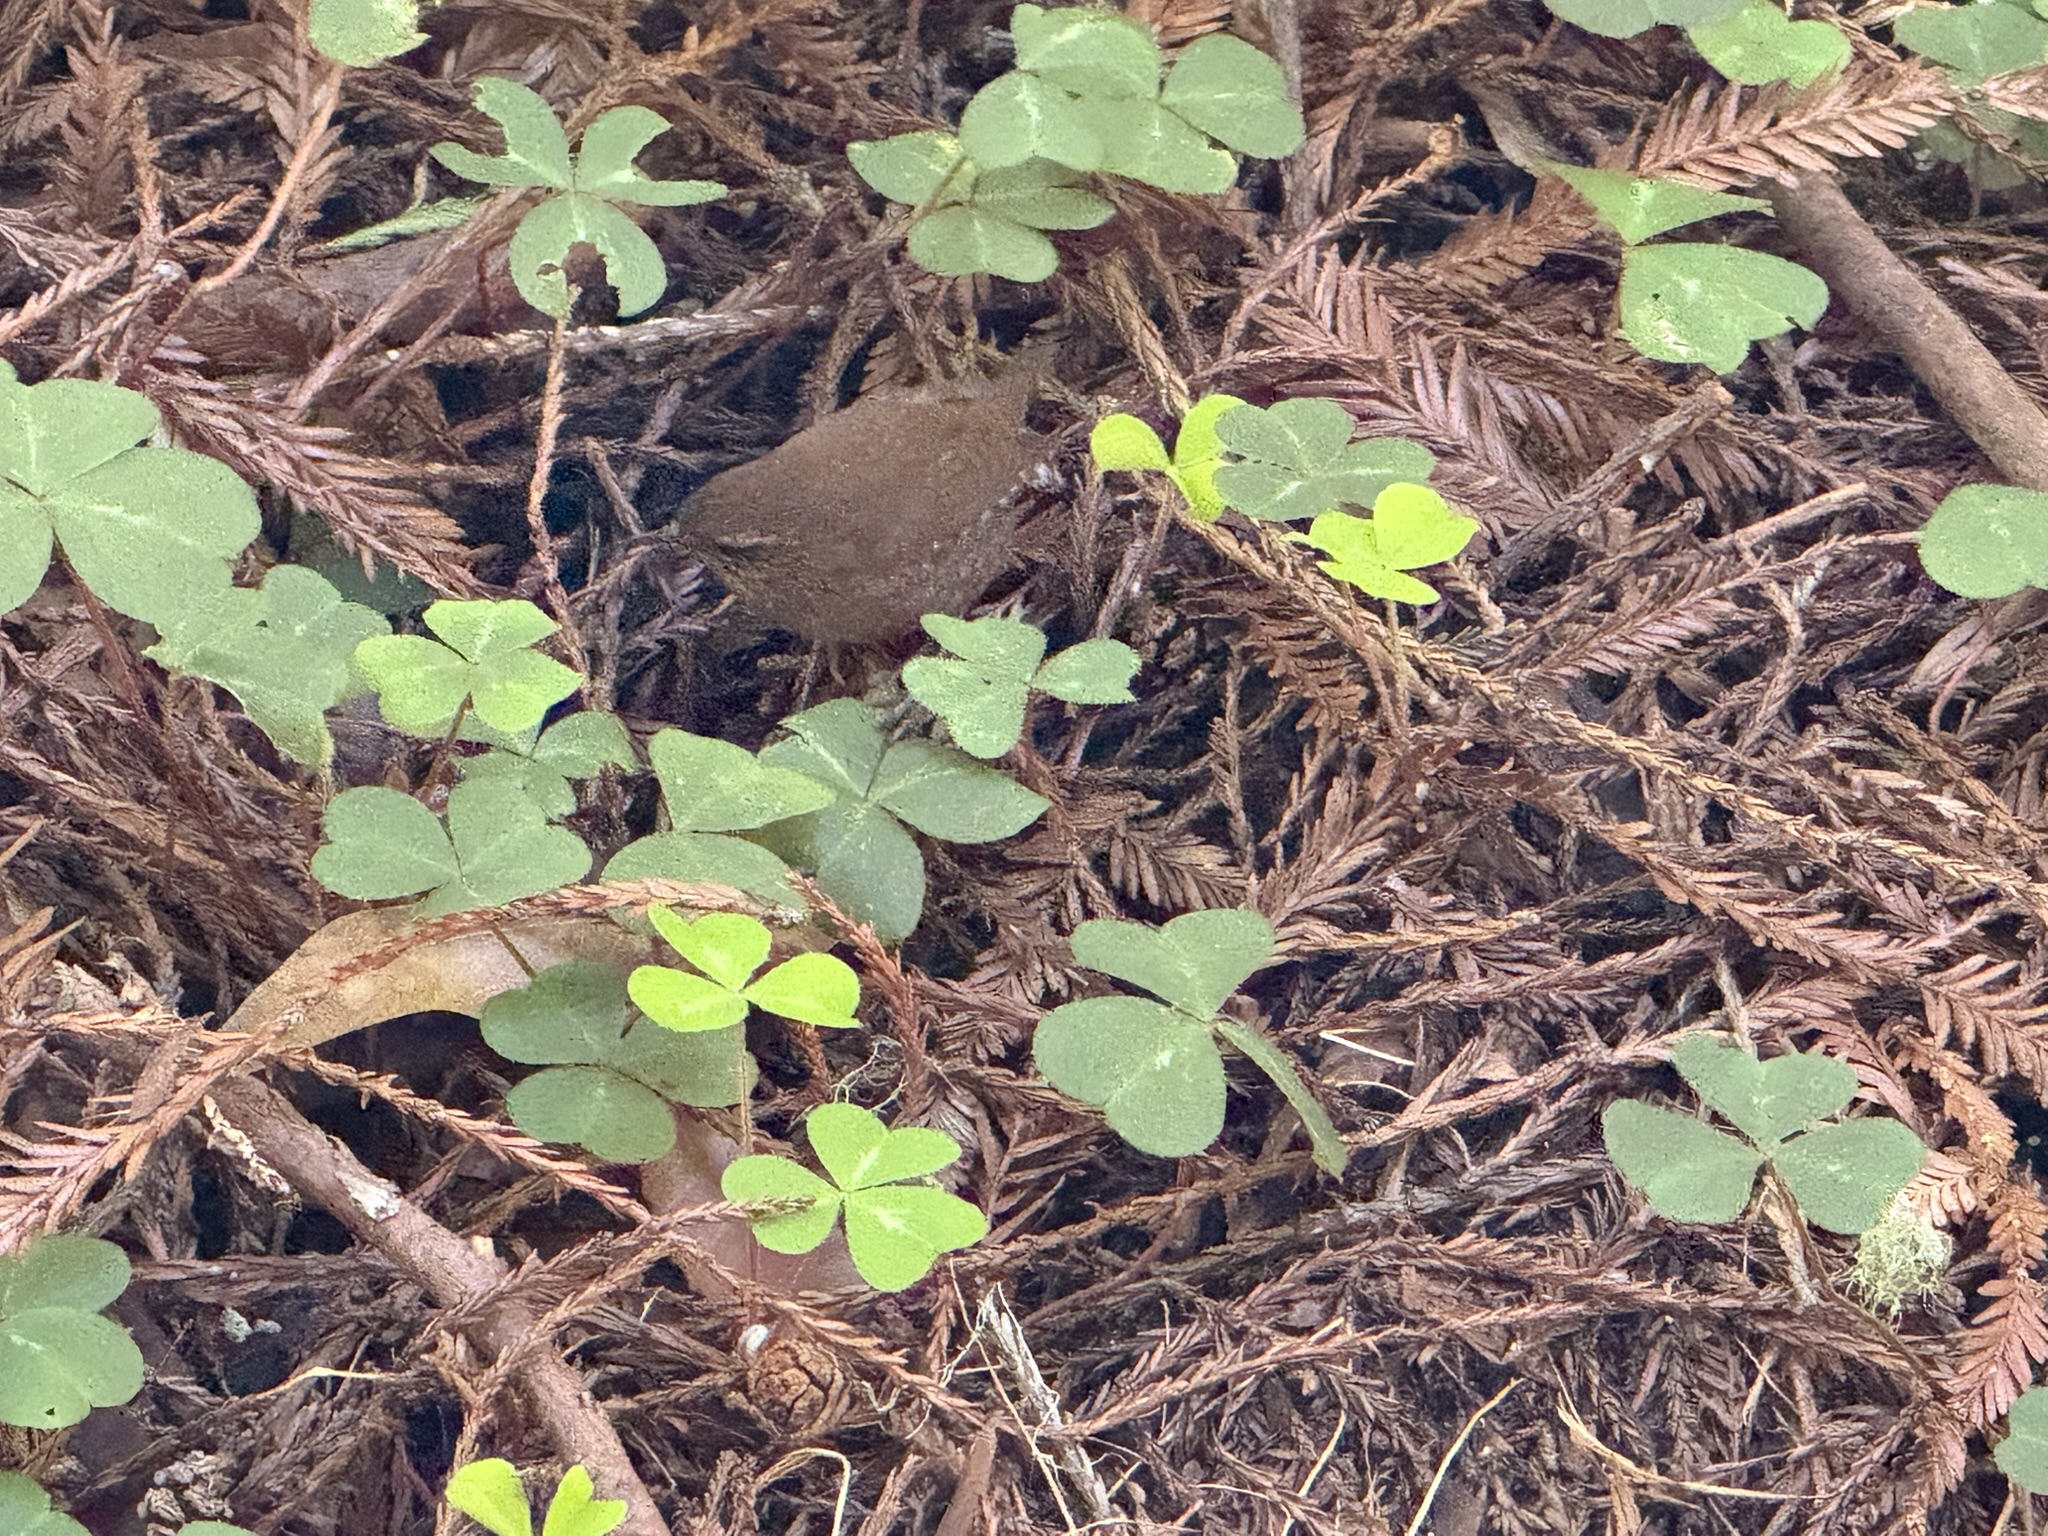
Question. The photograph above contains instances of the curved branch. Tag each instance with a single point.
(1907, 317)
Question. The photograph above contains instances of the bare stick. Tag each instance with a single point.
(1897, 307)
(451, 1271)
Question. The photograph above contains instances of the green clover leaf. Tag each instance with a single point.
(981, 691)
(381, 845)
(712, 788)
(487, 661)
(1411, 526)
(1760, 44)
(729, 948)
(1198, 453)
(284, 650)
(149, 530)
(947, 795)
(896, 1228)
(1625, 18)
(1093, 672)
(914, 168)
(1154, 1069)
(710, 785)
(699, 858)
(1236, 95)
(1021, 116)
(360, 33)
(897, 1232)
(1088, 51)
(1299, 460)
(577, 1014)
(59, 1358)
(1765, 1100)
(1707, 303)
(616, 1119)
(1987, 541)
(1194, 962)
(1144, 141)
(1039, 195)
(1844, 1175)
(1640, 207)
(25, 1510)
(536, 148)
(572, 1014)
(2023, 1454)
(539, 254)
(588, 189)
(604, 1086)
(577, 747)
(497, 847)
(1327, 1145)
(1976, 41)
(1689, 1171)
(576, 1511)
(857, 846)
(961, 241)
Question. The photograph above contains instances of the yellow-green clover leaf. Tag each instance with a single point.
(1124, 442)
(490, 1493)
(1410, 527)
(728, 948)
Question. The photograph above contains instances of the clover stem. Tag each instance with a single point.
(439, 766)
(536, 493)
(1783, 1215)
(945, 181)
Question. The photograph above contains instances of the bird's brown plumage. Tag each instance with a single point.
(889, 509)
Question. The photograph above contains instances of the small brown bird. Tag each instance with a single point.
(891, 508)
